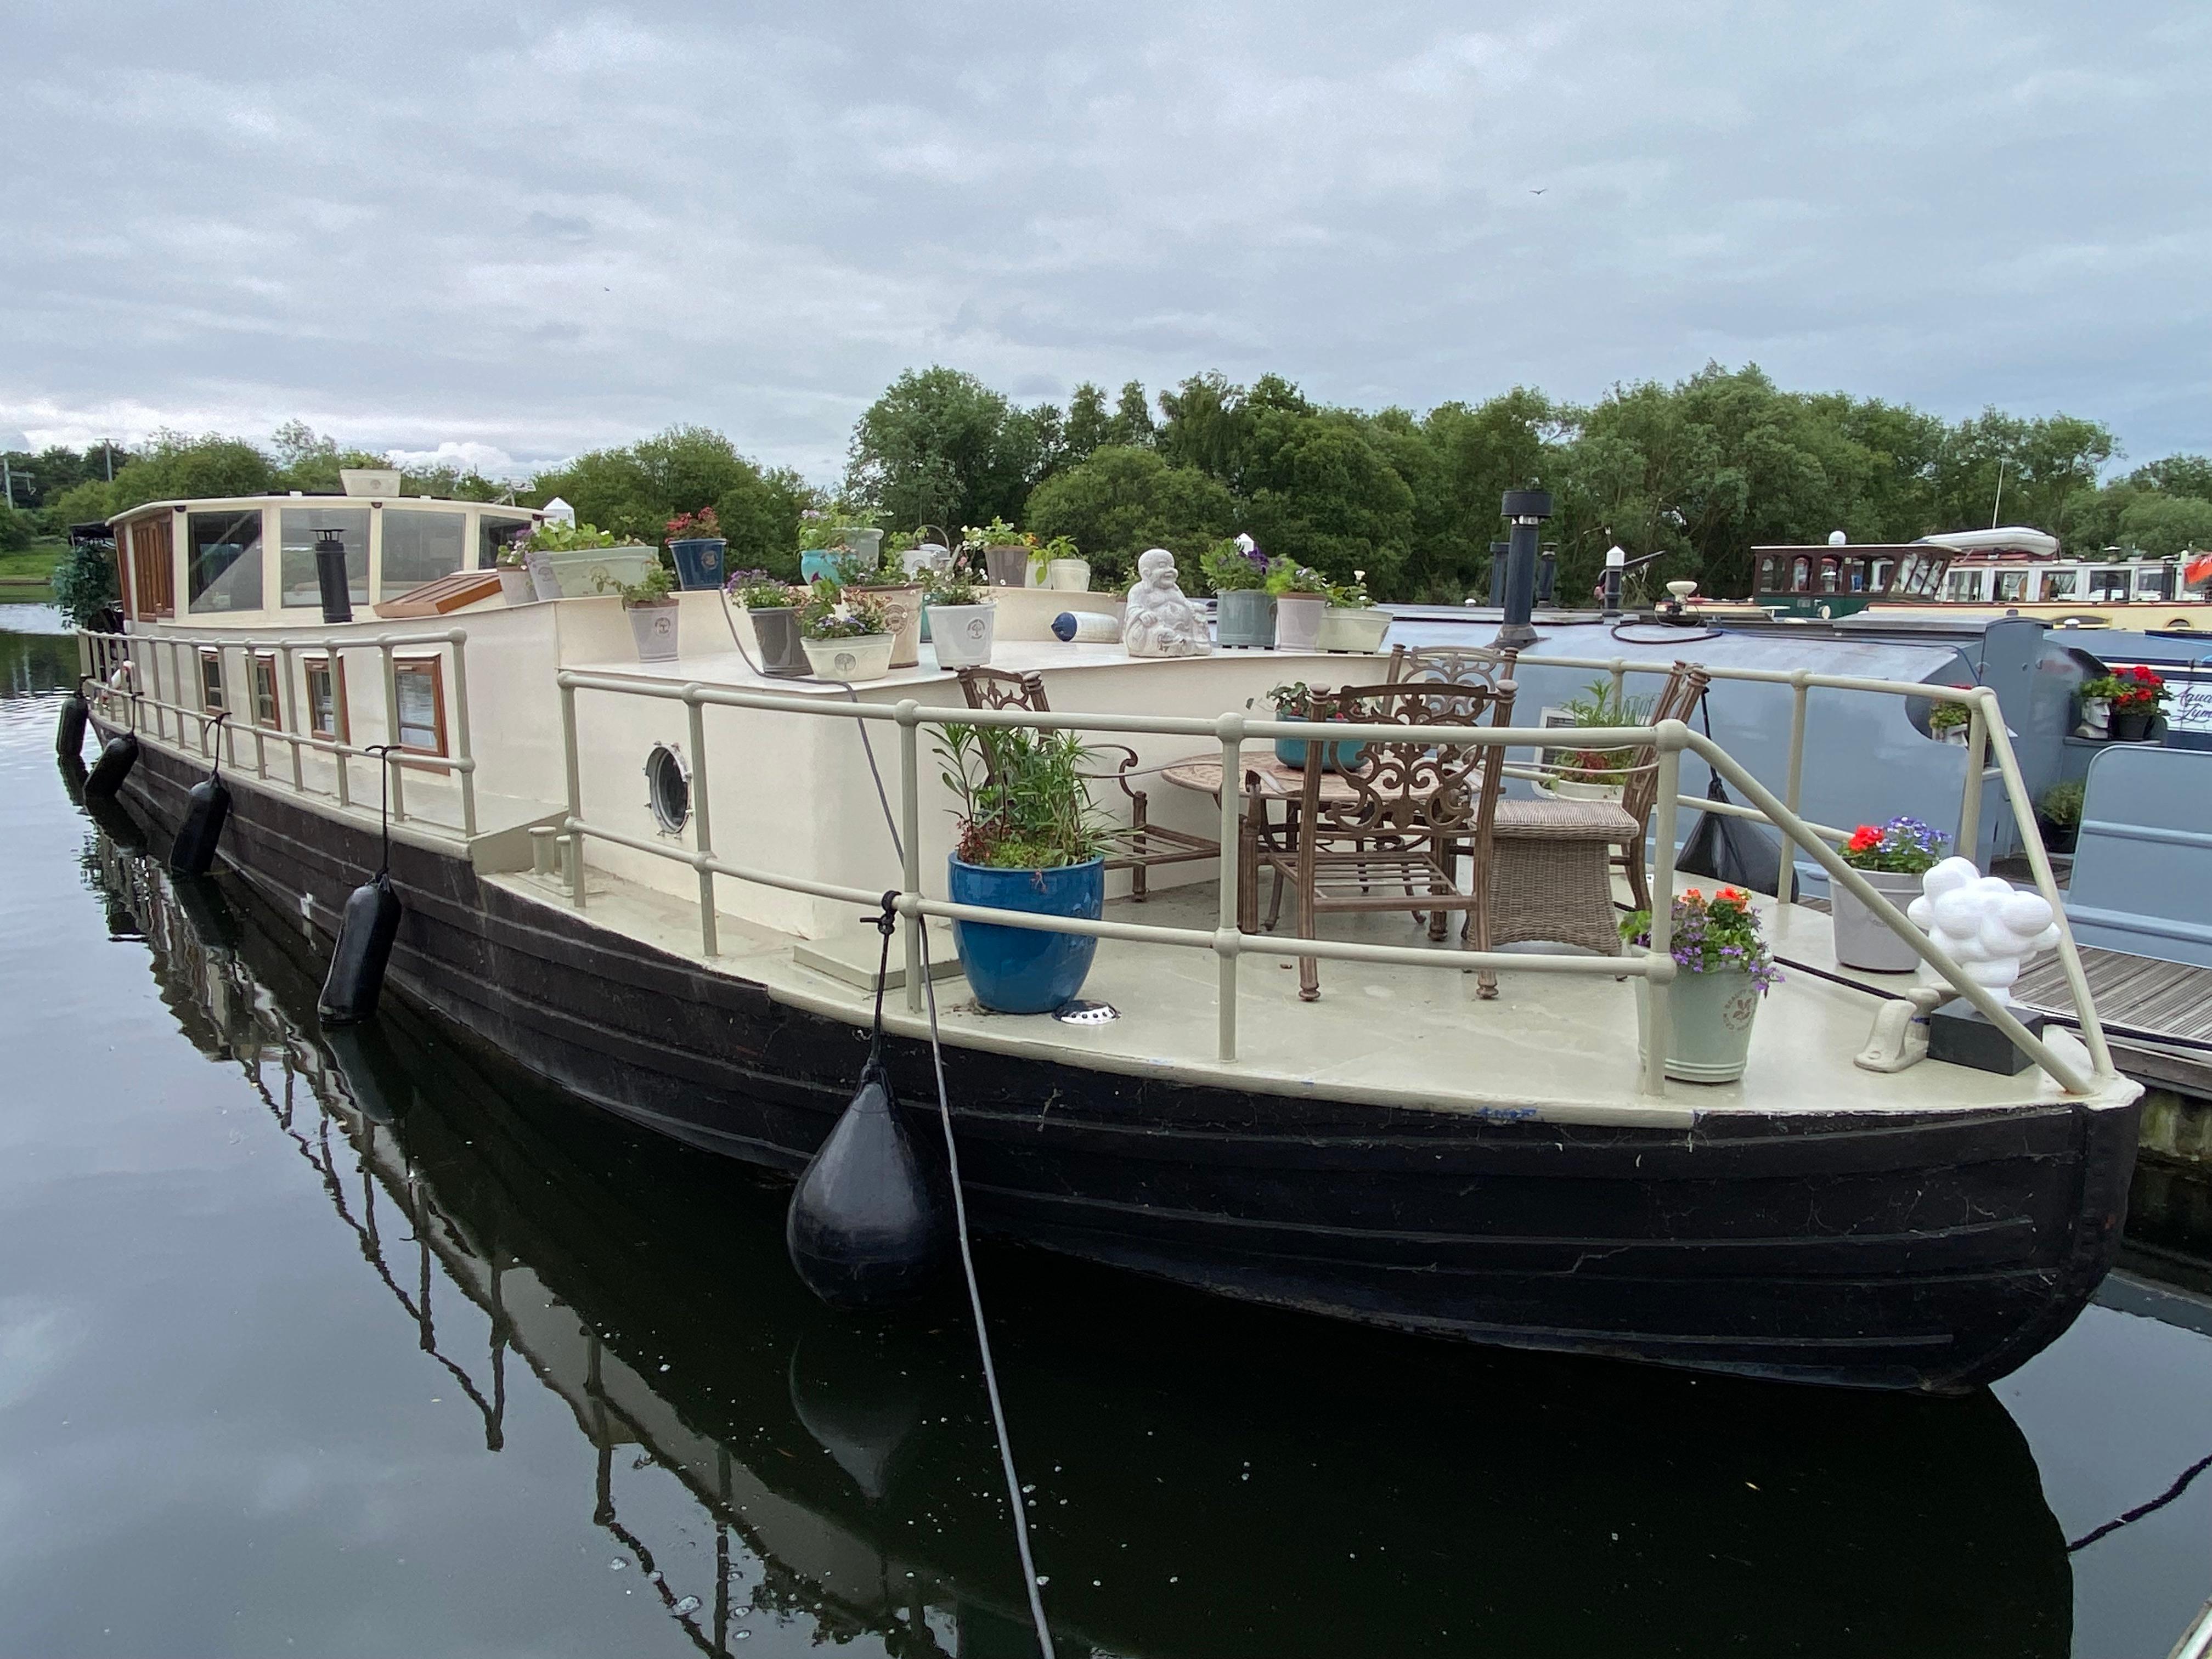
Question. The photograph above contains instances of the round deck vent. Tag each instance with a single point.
(668, 788)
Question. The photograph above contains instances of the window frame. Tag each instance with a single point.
(332, 668)
(256, 663)
(215, 697)
(433, 666)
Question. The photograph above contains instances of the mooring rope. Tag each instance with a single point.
(383, 753)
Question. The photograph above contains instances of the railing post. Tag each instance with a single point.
(391, 756)
(1970, 795)
(1656, 993)
(1228, 943)
(463, 753)
(703, 822)
(290, 658)
(576, 824)
(1785, 871)
(341, 721)
(253, 710)
(910, 751)
(1620, 672)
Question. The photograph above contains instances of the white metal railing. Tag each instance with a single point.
(1656, 968)
(153, 687)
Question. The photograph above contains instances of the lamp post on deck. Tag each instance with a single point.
(1526, 509)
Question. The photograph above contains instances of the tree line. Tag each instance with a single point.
(1699, 471)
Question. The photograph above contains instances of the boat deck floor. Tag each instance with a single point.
(1563, 1047)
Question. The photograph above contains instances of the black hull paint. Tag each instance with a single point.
(1935, 1250)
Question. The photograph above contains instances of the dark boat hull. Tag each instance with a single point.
(1922, 1250)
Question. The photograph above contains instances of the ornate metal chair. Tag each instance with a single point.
(1454, 665)
(1392, 826)
(1150, 845)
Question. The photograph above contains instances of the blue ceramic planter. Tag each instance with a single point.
(698, 563)
(1020, 970)
(1334, 756)
(813, 567)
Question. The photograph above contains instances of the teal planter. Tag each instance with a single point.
(813, 567)
(698, 562)
(1024, 971)
(1245, 617)
(1709, 1017)
(1334, 756)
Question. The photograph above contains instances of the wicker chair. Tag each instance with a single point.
(1397, 824)
(1553, 864)
(1150, 845)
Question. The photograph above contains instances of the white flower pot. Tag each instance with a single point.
(1352, 629)
(582, 572)
(963, 633)
(516, 585)
(1864, 940)
(1069, 575)
(868, 657)
(1298, 620)
(653, 627)
(1578, 789)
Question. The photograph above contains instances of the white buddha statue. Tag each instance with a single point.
(1161, 622)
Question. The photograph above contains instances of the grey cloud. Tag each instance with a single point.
(564, 225)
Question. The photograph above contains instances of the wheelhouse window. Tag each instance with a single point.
(2012, 586)
(2062, 584)
(1766, 575)
(1965, 586)
(222, 565)
(1858, 576)
(268, 694)
(2150, 583)
(2109, 583)
(305, 525)
(495, 531)
(211, 697)
(420, 546)
(1801, 575)
(1882, 570)
(421, 683)
(326, 708)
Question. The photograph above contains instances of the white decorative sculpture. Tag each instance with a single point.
(1989, 926)
(1161, 622)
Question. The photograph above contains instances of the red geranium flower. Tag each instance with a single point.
(1864, 837)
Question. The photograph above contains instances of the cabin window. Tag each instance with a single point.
(495, 533)
(1965, 586)
(1882, 569)
(1859, 577)
(420, 546)
(2062, 584)
(306, 526)
(211, 697)
(222, 566)
(1801, 575)
(1831, 576)
(2012, 586)
(2150, 584)
(421, 683)
(1766, 575)
(268, 700)
(2109, 583)
(326, 708)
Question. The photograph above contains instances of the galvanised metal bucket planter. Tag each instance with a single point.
(1864, 940)
(782, 652)
(1709, 1016)
(698, 561)
(1022, 970)
(1245, 617)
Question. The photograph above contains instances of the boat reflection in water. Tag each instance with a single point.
(1208, 1480)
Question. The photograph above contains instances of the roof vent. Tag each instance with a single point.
(1836, 538)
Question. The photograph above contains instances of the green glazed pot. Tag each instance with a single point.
(1246, 618)
(1711, 1018)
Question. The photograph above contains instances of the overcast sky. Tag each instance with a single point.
(527, 230)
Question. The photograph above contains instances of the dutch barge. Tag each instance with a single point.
(643, 881)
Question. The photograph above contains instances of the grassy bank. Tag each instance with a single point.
(29, 575)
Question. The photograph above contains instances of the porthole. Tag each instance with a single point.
(668, 788)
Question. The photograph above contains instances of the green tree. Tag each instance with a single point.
(2177, 475)
(2163, 526)
(1131, 425)
(81, 503)
(173, 466)
(18, 529)
(634, 490)
(1122, 499)
(1087, 423)
(941, 447)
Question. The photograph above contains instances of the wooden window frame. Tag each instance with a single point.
(255, 662)
(150, 545)
(217, 700)
(331, 667)
(435, 667)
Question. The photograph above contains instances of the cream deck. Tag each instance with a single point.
(1554, 1047)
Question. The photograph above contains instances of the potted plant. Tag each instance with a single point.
(830, 535)
(650, 604)
(1892, 858)
(1723, 968)
(1005, 550)
(1582, 774)
(570, 561)
(882, 578)
(697, 543)
(962, 620)
(1056, 564)
(1028, 840)
(846, 636)
(2139, 695)
(2059, 813)
(1948, 722)
(2096, 695)
(1351, 622)
(772, 606)
(515, 585)
(1244, 611)
(1294, 701)
(1301, 601)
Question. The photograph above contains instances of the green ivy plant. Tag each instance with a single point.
(656, 586)
(1024, 803)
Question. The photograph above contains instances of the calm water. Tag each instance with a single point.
(364, 1344)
